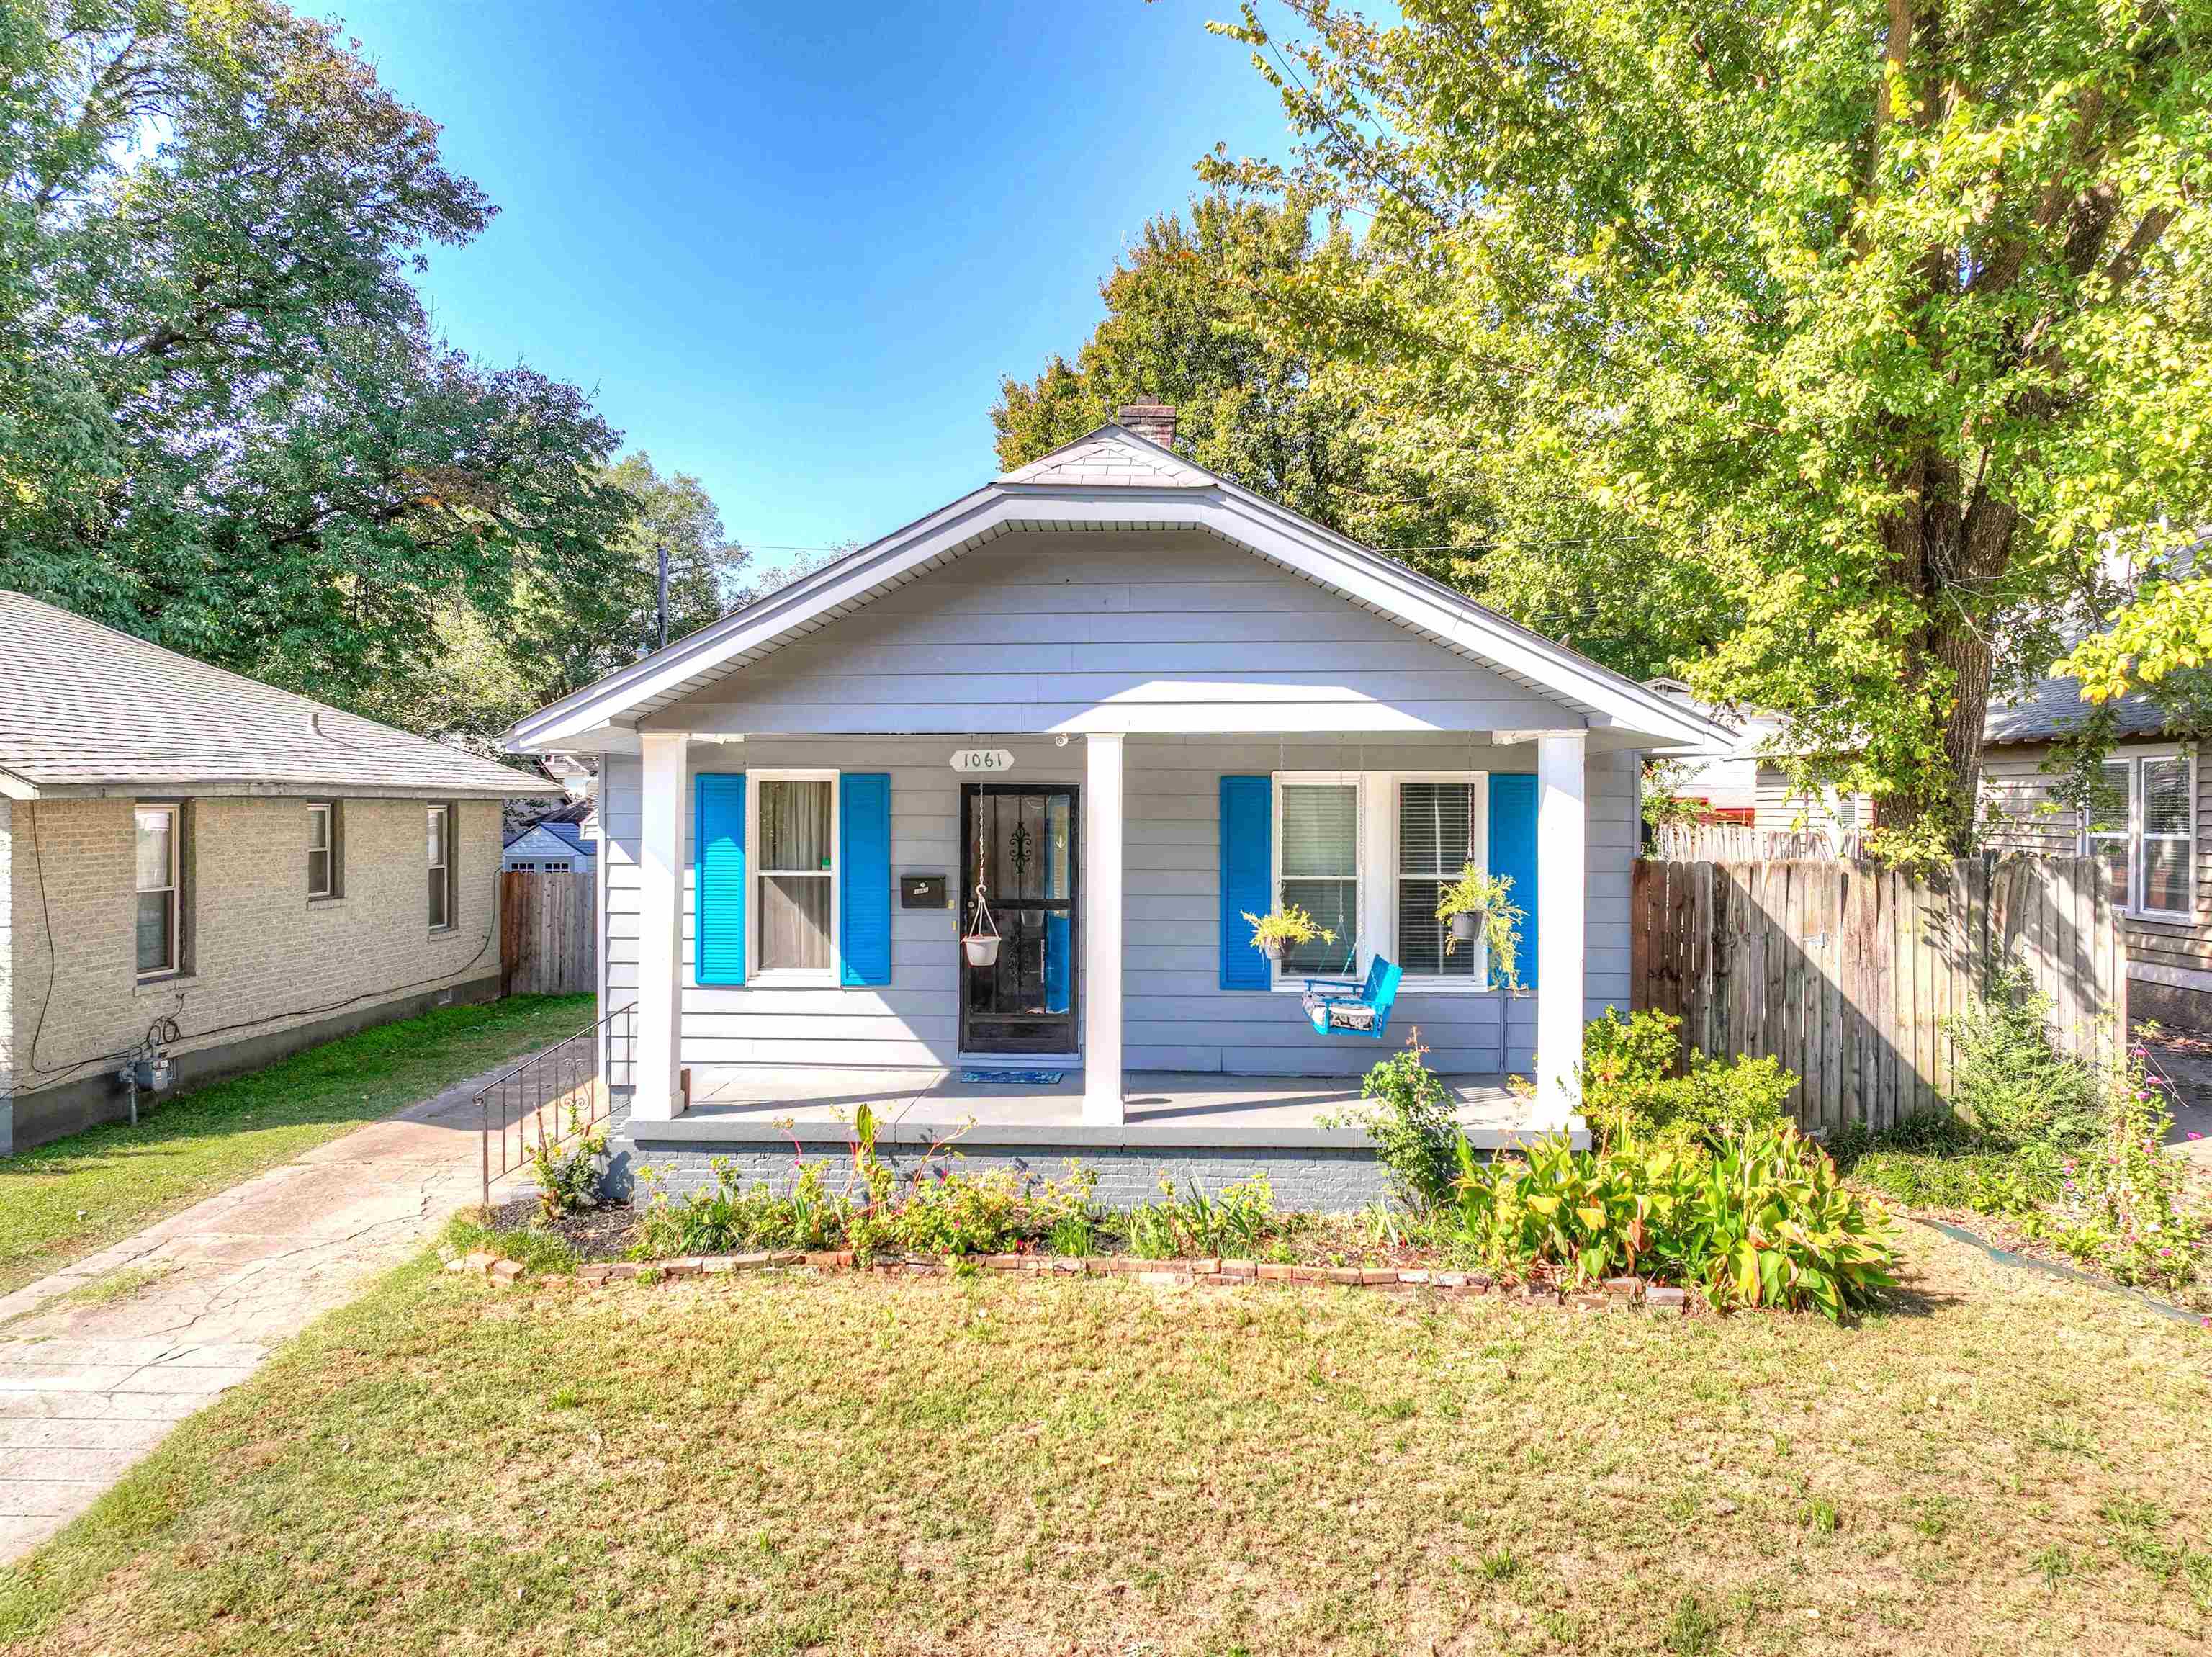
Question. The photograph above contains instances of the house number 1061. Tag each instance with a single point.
(971, 761)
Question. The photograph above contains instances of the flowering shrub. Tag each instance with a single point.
(568, 1174)
(2122, 1204)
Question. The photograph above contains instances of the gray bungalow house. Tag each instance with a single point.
(204, 870)
(1132, 702)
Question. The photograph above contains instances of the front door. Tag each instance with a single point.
(1020, 842)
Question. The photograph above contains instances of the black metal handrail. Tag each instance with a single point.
(553, 1094)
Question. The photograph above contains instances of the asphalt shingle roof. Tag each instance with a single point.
(1105, 457)
(2055, 709)
(84, 707)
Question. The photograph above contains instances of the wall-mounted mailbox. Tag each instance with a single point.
(922, 891)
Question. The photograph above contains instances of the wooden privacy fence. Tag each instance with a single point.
(1734, 842)
(548, 943)
(1849, 974)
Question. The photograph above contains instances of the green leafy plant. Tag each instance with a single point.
(1413, 1120)
(2011, 1086)
(1762, 1218)
(1488, 898)
(568, 1174)
(1233, 1222)
(1285, 929)
(1630, 1092)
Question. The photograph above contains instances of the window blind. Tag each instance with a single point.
(1321, 871)
(1436, 839)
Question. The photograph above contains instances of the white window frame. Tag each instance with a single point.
(1479, 982)
(453, 816)
(2135, 836)
(1285, 981)
(175, 812)
(756, 873)
(328, 810)
(1376, 868)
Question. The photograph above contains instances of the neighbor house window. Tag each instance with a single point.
(1439, 833)
(159, 912)
(797, 871)
(322, 849)
(2140, 826)
(1317, 868)
(441, 847)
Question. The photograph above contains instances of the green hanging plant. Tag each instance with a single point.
(1285, 928)
(1485, 902)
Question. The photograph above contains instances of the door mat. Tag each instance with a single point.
(1016, 1078)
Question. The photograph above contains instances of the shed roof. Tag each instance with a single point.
(89, 710)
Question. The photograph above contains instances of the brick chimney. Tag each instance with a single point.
(1150, 420)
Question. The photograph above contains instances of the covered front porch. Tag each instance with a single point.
(1158, 1106)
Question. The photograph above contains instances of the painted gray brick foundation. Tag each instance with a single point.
(1308, 1172)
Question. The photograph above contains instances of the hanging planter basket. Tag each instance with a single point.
(980, 943)
(1271, 947)
(1464, 926)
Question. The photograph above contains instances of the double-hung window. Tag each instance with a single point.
(440, 850)
(1317, 847)
(159, 888)
(1368, 856)
(1439, 828)
(322, 849)
(795, 878)
(2140, 826)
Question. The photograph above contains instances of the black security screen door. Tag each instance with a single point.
(1021, 844)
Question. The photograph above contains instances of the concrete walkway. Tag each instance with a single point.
(97, 1361)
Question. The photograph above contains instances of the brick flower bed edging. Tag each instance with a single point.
(1160, 1274)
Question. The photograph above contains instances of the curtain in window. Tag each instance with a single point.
(1321, 871)
(796, 871)
(1436, 839)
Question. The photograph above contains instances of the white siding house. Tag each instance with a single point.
(1177, 702)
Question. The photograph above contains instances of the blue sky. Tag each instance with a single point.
(791, 249)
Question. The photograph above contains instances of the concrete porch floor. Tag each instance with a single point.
(1162, 1107)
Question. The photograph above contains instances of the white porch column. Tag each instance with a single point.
(660, 928)
(1102, 930)
(1562, 885)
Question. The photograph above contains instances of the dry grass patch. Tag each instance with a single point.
(854, 1463)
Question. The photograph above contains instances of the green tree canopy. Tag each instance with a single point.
(1858, 326)
(224, 420)
(1185, 322)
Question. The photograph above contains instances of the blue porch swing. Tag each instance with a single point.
(1342, 1007)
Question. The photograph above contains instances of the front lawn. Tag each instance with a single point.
(62, 1201)
(2001, 1462)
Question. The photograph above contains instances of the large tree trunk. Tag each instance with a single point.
(1944, 553)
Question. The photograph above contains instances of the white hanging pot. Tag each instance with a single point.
(1271, 947)
(1463, 926)
(980, 948)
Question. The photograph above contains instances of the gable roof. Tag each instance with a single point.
(1113, 478)
(554, 838)
(2056, 708)
(88, 709)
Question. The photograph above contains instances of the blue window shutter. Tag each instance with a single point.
(1248, 877)
(718, 878)
(1513, 853)
(864, 873)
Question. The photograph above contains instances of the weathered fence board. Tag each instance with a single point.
(1850, 975)
(547, 934)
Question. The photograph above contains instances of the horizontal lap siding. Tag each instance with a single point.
(1176, 1016)
(1031, 631)
(2016, 780)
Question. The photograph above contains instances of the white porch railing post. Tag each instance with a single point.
(1562, 888)
(658, 1097)
(1102, 930)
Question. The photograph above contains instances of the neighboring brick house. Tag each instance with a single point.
(229, 869)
